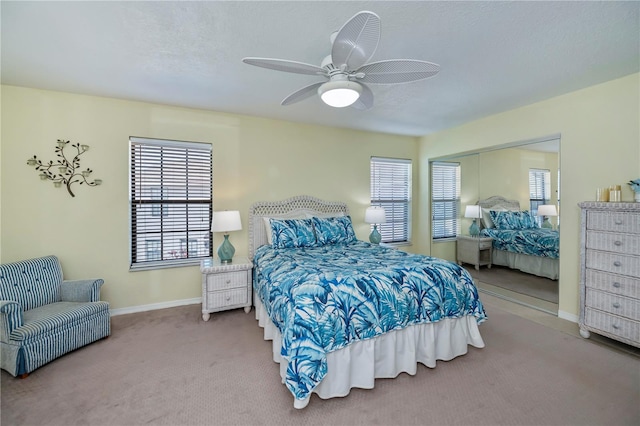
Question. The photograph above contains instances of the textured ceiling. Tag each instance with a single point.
(494, 56)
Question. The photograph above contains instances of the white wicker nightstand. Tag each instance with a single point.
(474, 250)
(225, 286)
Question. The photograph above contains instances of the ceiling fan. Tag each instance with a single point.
(346, 70)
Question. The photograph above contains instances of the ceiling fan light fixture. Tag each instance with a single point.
(339, 94)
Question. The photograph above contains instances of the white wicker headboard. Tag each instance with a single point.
(496, 200)
(291, 208)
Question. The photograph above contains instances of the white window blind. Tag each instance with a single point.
(445, 199)
(539, 190)
(391, 190)
(170, 202)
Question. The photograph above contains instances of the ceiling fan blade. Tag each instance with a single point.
(356, 41)
(395, 71)
(365, 101)
(302, 94)
(285, 65)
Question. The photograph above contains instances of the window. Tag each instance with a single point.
(170, 202)
(445, 199)
(391, 190)
(539, 190)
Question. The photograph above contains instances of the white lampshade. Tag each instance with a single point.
(226, 221)
(375, 214)
(339, 94)
(473, 211)
(547, 210)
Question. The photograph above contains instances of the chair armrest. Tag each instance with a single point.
(10, 318)
(81, 290)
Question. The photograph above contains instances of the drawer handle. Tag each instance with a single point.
(616, 284)
(618, 221)
(228, 281)
(228, 298)
(616, 305)
(616, 326)
(617, 263)
(618, 243)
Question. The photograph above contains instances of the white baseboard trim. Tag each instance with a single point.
(154, 306)
(567, 316)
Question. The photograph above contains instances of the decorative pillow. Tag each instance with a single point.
(513, 220)
(287, 233)
(486, 216)
(334, 230)
(267, 225)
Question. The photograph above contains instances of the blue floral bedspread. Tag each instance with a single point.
(323, 298)
(536, 241)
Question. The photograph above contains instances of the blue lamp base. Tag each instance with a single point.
(474, 230)
(546, 223)
(226, 250)
(375, 236)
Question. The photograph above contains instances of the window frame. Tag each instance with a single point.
(539, 190)
(397, 204)
(449, 198)
(181, 174)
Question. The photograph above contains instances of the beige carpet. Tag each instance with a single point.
(168, 367)
(519, 282)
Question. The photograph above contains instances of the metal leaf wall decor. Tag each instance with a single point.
(68, 168)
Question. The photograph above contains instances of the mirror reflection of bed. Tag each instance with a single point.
(525, 260)
(503, 170)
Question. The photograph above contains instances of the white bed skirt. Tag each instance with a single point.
(536, 265)
(386, 356)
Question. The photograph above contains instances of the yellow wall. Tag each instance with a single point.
(600, 146)
(254, 160)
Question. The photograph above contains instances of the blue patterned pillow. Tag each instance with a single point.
(513, 220)
(286, 233)
(334, 230)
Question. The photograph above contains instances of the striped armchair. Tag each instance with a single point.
(42, 316)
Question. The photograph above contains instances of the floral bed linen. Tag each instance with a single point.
(323, 298)
(542, 242)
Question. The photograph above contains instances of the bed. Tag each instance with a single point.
(342, 312)
(518, 243)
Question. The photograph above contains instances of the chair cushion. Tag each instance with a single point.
(54, 317)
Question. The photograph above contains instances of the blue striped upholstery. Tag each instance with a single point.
(43, 317)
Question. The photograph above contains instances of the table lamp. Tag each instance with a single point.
(375, 215)
(547, 210)
(226, 221)
(473, 211)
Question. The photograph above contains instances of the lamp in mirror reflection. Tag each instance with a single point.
(68, 168)
(473, 211)
(225, 222)
(375, 215)
(546, 211)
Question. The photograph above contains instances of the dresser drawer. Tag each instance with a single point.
(613, 262)
(627, 222)
(612, 283)
(613, 325)
(225, 280)
(614, 242)
(222, 299)
(614, 304)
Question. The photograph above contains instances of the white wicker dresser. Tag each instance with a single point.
(610, 271)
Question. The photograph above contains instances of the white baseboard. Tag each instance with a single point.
(567, 316)
(154, 306)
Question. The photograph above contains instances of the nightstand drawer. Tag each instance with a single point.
(220, 299)
(485, 244)
(226, 280)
